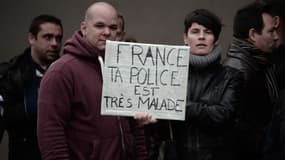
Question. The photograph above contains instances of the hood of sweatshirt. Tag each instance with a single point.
(78, 46)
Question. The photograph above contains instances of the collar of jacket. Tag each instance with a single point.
(25, 60)
(246, 51)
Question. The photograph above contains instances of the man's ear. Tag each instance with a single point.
(185, 39)
(83, 27)
(252, 35)
(31, 38)
(277, 21)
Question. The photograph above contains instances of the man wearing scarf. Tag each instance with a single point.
(274, 148)
(250, 53)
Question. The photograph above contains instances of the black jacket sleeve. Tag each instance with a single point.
(217, 107)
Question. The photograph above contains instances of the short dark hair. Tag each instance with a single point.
(249, 17)
(206, 18)
(44, 18)
(276, 7)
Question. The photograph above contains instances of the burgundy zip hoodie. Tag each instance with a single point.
(70, 126)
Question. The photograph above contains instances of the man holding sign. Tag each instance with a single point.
(69, 123)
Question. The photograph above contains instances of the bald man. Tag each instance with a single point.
(70, 126)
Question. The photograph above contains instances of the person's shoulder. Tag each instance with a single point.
(237, 64)
(7, 66)
(4, 67)
(230, 69)
(20, 62)
(64, 63)
(232, 72)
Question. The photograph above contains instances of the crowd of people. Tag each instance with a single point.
(235, 107)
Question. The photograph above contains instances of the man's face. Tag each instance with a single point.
(280, 25)
(99, 27)
(267, 40)
(46, 44)
(120, 31)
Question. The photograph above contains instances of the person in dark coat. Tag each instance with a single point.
(212, 98)
(250, 52)
(20, 83)
(274, 148)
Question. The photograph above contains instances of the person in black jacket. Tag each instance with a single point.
(213, 94)
(274, 148)
(20, 83)
(254, 40)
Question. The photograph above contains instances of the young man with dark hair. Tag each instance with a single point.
(20, 83)
(254, 40)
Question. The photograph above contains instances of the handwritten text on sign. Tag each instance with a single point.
(141, 77)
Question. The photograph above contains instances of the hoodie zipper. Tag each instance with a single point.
(122, 138)
(118, 118)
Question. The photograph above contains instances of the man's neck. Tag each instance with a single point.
(37, 60)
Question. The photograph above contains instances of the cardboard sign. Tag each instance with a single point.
(141, 77)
